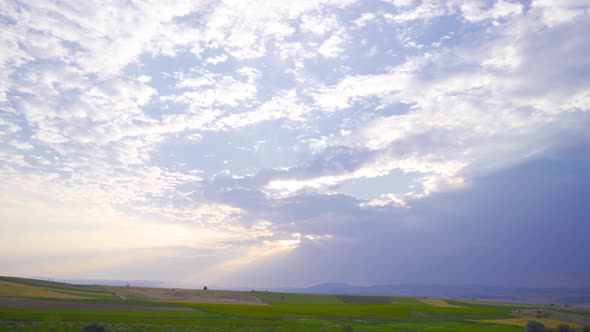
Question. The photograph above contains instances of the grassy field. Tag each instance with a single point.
(32, 305)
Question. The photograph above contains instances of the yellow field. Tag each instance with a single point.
(507, 304)
(13, 289)
(439, 303)
(551, 323)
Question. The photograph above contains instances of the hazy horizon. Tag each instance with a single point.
(293, 143)
(161, 283)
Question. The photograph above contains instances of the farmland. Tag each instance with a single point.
(34, 305)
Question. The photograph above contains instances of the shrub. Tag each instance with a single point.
(586, 329)
(534, 326)
(347, 328)
(564, 328)
(93, 327)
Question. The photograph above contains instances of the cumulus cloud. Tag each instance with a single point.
(493, 93)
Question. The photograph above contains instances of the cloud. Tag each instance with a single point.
(333, 46)
(244, 28)
(553, 13)
(218, 59)
(107, 37)
(205, 89)
(473, 11)
(239, 133)
(424, 11)
(453, 105)
(282, 106)
(318, 24)
(364, 19)
(467, 227)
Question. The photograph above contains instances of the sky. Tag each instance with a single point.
(289, 143)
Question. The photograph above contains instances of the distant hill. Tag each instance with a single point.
(579, 297)
(558, 296)
(51, 284)
(106, 282)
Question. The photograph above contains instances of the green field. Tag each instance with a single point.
(160, 309)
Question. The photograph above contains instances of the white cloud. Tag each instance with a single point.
(217, 59)
(8, 127)
(479, 100)
(108, 36)
(401, 3)
(203, 89)
(364, 19)
(387, 199)
(351, 88)
(474, 11)
(557, 12)
(20, 145)
(282, 106)
(244, 27)
(426, 10)
(334, 45)
(319, 24)
(372, 51)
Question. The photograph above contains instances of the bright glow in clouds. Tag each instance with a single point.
(210, 139)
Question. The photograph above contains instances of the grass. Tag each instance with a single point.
(281, 298)
(282, 312)
(281, 317)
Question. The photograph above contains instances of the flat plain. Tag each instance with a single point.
(36, 305)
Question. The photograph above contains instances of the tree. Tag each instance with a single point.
(564, 328)
(205, 288)
(93, 327)
(534, 326)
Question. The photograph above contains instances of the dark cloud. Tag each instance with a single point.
(526, 225)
